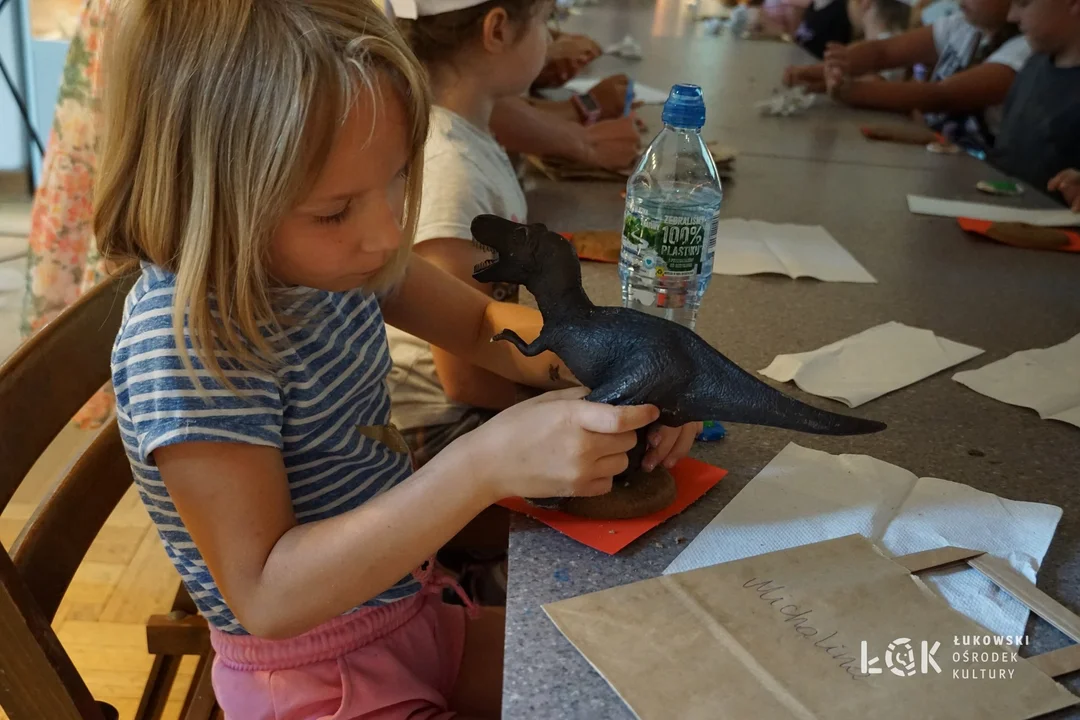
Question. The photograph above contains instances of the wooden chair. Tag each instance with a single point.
(41, 387)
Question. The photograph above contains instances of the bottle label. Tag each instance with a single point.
(670, 245)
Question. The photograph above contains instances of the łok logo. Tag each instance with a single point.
(900, 658)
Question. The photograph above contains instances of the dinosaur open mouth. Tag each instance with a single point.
(487, 262)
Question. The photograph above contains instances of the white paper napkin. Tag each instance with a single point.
(750, 247)
(877, 361)
(1045, 380)
(920, 205)
(805, 496)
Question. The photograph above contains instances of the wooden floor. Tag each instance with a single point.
(124, 579)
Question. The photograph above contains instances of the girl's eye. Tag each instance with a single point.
(336, 218)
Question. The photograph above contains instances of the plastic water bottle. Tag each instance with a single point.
(672, 207)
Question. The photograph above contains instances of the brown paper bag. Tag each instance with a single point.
(780, 636)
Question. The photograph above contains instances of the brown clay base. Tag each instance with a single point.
(1028, 236)
(643, 494)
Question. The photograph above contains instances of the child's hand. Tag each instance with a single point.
(610, 95)
(612, 144)
(566, 55)
(808, 76)
(668, 446)
(794, 75)
(556, 445)
(1067, 182)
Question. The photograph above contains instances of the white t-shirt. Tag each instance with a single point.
(466, 173)
(957, 41)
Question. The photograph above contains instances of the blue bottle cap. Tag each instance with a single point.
(685, 107)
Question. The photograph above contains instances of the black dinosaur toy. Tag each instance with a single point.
(628, 357)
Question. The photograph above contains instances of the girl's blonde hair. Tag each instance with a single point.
(219, 115)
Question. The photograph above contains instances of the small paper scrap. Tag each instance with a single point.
(920, 205)
(642, 93)
(789, 102)
(1046, 380)
(751, 247)
(692, 480)
(805, 496)
(628, 49)
(873, 363)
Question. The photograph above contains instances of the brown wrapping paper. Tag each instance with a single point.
(780, 636)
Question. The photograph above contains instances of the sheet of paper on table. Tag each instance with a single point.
(642, 93)
(870, 364)
(751, 247)
(783, 636)
(804, 496)
(920, 205)
(1046, 380)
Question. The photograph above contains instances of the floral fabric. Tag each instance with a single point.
(63, 258)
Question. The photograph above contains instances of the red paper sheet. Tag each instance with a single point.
(981, 226)
(692, 480)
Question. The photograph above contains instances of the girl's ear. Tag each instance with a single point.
(498, 31)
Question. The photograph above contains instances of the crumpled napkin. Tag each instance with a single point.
(792, 101)
(628, 48)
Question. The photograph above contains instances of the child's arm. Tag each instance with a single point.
(446, 312)
(870, 56)
(435, 306)
(520, 127)
(281, 578)
(971, 90)
(463, 381)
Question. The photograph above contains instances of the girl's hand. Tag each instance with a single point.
(566, 55)
(668, 446)
(555, 445)
(612, 144)
(1067, 182)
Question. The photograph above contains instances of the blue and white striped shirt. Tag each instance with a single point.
(330, 379)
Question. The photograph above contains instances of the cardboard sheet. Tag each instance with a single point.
(692, 480)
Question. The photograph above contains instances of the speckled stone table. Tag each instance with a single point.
(930, 275)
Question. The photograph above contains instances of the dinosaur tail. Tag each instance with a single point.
(734, 395)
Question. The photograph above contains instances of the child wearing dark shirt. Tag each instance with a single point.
(1039, 139)
(824, 22)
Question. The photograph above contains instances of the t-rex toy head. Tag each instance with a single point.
(522, 252)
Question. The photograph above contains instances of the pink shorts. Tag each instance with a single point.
(387, 663)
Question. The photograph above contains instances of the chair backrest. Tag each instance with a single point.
(41, 387)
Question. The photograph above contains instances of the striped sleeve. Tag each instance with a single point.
(158, 404)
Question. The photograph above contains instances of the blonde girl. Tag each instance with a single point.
(262, 161)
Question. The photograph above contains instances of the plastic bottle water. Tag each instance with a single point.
(672, 206)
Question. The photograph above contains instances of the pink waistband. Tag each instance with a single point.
(334, 638)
